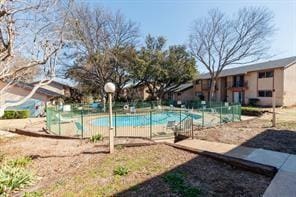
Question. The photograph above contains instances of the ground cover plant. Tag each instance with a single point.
(177, 184)
(14, 175)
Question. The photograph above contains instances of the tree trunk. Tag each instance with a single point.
(212, 89)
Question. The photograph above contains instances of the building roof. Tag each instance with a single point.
(279, 63)
(54, 82)
(39, 90)
(182, 87)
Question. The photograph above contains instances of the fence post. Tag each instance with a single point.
(59, 122)
(192, 127)
(203, 117)
(220, 115)
(48, 118)
(82, 125)
(150, 124)
(232, 113)
(180, 120)
(115, 124)
(239, 109)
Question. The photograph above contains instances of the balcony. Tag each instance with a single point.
(207, 87)
(242, 85)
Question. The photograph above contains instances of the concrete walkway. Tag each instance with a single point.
(284, 182)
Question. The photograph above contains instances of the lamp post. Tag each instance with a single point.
(110, 89)
(104, 103)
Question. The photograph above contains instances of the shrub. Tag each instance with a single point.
(253, 101)
(16, 114)
(251, 111)
(121, 171)
(95, 138)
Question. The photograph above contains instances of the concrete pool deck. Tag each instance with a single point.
(283, 183)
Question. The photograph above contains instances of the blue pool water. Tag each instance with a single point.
(143, 119)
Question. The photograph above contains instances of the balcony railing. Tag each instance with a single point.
(208, 87)
(243, 84)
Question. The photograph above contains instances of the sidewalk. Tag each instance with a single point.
(284, 182)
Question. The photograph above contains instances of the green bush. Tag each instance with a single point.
(95, 138)
(16, 114)
(253, 101)
(121, 171)
(251, 111)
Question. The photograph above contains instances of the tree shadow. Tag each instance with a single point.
(216, 178)
(202, 176)
(274, 139)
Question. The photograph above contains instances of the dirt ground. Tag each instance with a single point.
(257, 132)
(81, 168)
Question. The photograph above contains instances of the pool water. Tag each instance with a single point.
(144, 119)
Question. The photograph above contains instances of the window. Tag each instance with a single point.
(269, 74)
(266, 74)
(265, 93)
(238, 81)
(198, 94)
(197, 82)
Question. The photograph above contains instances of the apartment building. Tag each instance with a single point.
(182, 93)
(253, 82)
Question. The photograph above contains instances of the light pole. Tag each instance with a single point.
(110, 89)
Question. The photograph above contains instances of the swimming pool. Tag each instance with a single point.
(143, 119)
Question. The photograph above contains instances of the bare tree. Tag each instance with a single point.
(100, 45)
(30, 31)
(218, 41)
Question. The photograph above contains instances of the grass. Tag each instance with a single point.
(20, 162)
(14, 175)
(114, 173)
(177, 184)
(290, 125)
(33, 194)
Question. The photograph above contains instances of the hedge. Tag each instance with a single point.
(251, 111)
(16, 114)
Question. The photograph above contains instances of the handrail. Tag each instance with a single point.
(183, 120)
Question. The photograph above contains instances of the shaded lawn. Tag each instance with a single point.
(157, 170)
